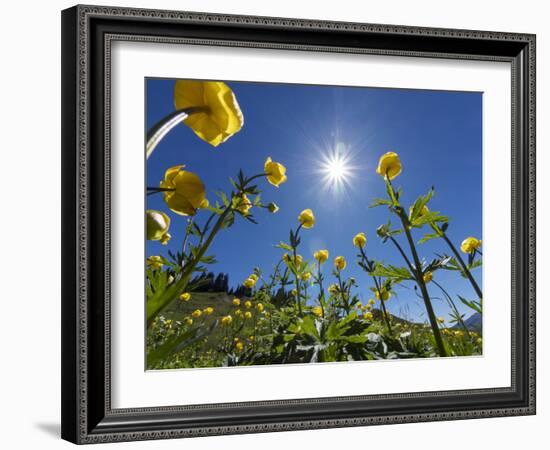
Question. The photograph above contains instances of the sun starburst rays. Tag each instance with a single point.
(336, 169)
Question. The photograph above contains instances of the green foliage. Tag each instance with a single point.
(300, 312)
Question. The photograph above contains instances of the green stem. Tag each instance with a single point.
(403, 254)
(453, 307)
(296, 279)
(165, 125)
(342, 293)
(182, 282)
(462, 263)
(419, 277)
(420, 281)
(321, 290)
(379, 289)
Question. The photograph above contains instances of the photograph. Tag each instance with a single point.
(295, 223)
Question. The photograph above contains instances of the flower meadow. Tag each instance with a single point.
(305, 308)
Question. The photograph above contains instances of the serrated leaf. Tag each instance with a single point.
(397, 274)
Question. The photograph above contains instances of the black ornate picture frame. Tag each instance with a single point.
(87, 35)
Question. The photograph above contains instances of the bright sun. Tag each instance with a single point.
(336, 169)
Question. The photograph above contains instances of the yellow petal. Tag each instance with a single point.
(389, 164)
(222, 116)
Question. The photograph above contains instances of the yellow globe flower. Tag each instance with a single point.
(248, 304)
(470, 244)
(428, 276)
(371, 301)
(389, 164)
(208, 311)
(340, 263)
(305, 276)
(247, 315)
(238, 312)
(253, 276)
(155, 262)
(383, 295)
(189, 321)
(197, 313)
(321, 256)
(187, 192)
(185, 297)
(157, 224)
(294, 292)
(220, 116)
(260, 307)
(275, 172)
(441, 320)
(242, 204)
(333, 289)
(317, 310)
(368, 316)
(306, 218)
(368, 307)
(239, 346)
(359, 240)
(226, 320)
(236, 301)
(249, 283)
(459, 333)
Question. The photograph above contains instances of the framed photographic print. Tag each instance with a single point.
(335, 220)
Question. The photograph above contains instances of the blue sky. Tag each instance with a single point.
(437, 134)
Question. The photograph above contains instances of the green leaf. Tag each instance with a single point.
(475, 264)
(284, 246)
(380, 202)
(475, 305)
(308, 327)
(419, 204)
(177, 343)
(397, 274)
(428, 237)
(429, 217)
